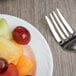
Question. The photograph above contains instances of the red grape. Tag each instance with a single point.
(3, 65)
(21, 35)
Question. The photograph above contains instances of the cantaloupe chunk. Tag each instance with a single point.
(24, 65)
(21, 52)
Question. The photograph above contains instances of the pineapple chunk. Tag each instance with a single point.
(8, 50)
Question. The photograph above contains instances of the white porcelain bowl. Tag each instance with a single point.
(39, 45)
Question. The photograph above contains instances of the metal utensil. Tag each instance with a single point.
(61, 30)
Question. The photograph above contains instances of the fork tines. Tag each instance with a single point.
(60, 28)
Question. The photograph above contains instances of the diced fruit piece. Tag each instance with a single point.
(8, 50)
(4, 29)
(15, 61)
(11, 71)
(24, 65)
(28, 75)
(3, 65)
(21, 35)
(19, 46)
(21, 52)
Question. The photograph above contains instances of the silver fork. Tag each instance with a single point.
(61, 30)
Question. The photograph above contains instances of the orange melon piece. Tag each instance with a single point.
(21, 52)
(24, 65)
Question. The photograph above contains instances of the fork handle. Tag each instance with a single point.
(68, 43)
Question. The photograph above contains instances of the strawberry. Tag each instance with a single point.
(11, 71)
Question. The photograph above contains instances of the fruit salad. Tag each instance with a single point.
(13, 62)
